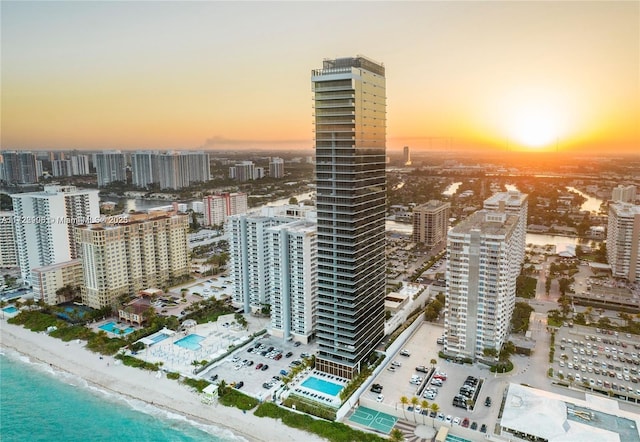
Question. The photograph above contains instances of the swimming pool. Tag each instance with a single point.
(191, 342)
(10, 309)
(112, 328)
(158, 337)
(322, 386)
(452, 438)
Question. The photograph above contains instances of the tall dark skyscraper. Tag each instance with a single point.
(19, 167)
(350, 127)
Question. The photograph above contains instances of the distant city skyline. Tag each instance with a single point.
(222, 75)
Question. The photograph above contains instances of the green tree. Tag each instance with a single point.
(404, 401)
(425, 406)
(414, 402)
(396, 435)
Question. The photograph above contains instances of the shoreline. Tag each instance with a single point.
(132, 383)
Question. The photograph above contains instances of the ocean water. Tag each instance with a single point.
(41, 404)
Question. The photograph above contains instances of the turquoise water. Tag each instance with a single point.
(111, 328)
(38, 404)
(192, 342)
(322, 386)
(452, 438)
(10, 309)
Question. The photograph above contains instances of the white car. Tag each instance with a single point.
(456, 421)
(380, 398)
(448, 419)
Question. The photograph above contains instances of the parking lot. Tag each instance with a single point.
(599, 360)
(396, 381)
(248, 364)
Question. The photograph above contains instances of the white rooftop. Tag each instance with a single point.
(546, 415)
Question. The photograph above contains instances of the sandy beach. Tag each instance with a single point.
(74, 358)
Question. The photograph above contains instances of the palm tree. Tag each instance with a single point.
(425, 406)
(434, 362)
(396, 435)
(222, 388)
(435, 408)
(414, 402)
(404, 401)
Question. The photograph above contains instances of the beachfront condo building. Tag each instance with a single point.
(218, 207)
(623, 240)
(58, 283)
(431, 223)
(8, 249)
(19, 167)
(516, 203)
(251, 252)
(44, 223)
(350, 141)
(110, 167)
(125, 255)
(293, 280)
(482, 268)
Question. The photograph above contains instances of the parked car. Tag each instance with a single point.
(380, 398)
(487, 401)
(405, 352)
(259, 366)
(483, 428)
(265, 367)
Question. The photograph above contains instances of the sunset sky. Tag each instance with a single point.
(221, 75)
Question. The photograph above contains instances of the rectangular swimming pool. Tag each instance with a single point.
(322, 386)
(157, 337)
(10, 309)
(191, 342)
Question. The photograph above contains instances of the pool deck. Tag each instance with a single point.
(297, 388)
(217, 339)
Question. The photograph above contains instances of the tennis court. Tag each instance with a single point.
(373, 419)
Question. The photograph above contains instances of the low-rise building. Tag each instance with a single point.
(49, 280)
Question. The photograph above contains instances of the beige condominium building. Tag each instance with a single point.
(136, 252)
(431, 222)
(49, 279)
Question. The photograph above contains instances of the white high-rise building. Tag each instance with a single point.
(8, 249)
(61, 168)
(243, 171)
(250, 252)
(351, 188)
(110, 167)
(516, 203)
(276, 168)
(44, 223)
(293, 277)
(482, 268)
(80, 165)
(623, 240)
(140, 252)
(624, 194)
(143, 168)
